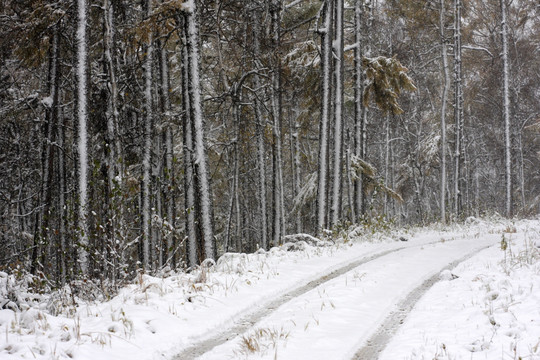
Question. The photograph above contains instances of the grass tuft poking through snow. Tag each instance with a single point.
(261, 341)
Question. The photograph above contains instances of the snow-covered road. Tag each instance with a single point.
(312, 303)
(335, 319)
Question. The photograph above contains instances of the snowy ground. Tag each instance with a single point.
(491, 311)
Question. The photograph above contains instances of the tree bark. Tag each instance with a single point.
(338, 116)
(82, 118)
(458, 113)
(203, 196)
(278, 201)
(148, 248)
(506, 111)
(326, 64)
(446, 82)
(260, 127)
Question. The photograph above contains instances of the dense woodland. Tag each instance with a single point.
(142, 135)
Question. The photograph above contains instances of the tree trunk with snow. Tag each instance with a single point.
(62, 248)
(506, 110)
(446, 82)
(168, 185)
(278, 201)
(326, 80)
(295, 150)
(359, 110)
(202, 193)
(260, 127)
(148, 247)
(41, 232)
(458, 113)
(114, 207)
(192, 253)
(335, 211)
(82, 118)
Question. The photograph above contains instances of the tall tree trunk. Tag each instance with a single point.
(113, 201)
(41, 235)
(262, 175)
(338, 116)
(387, 151)
(506, 110)
(359, 111)
(82, 118)
(458, 113)
(203, 196)
(446, 83)
(278, 202)
(168, 171)
(62, 249)
(148, 248)
(189, 177)
(326, 64)
(260, 127)
(295, 162)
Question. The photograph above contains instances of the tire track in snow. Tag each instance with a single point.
(378, 340)
(245, 322)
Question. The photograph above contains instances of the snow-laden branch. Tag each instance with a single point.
(469, 47)
(350, 47)
(291, 4)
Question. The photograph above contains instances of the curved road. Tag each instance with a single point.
(349, 313)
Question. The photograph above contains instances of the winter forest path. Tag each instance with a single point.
(356, 306)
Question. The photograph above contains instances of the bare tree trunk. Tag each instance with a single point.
(262, 174)
(295, 161)
(61, 200)
(458, 113)
(506, 109)
(148, 246)
(338, 116)
(168, 171)
(359, 111)
(189, 179)
(82, 117)
(326, 64)
(278, 201)
(443, 112)
(348, 171)
(203, 191)
(41, 234)
(386, 162)
(261, 164)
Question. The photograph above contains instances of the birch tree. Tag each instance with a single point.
(506, 110)
(202, 186)
(82, 118)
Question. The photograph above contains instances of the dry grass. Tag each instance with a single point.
(261, 340)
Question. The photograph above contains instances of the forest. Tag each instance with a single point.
(153, 134)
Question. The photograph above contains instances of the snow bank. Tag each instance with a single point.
(491, 310)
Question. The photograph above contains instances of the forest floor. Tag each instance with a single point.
(445, 293)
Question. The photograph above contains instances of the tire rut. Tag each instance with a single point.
(245, 322)
(378, 341)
